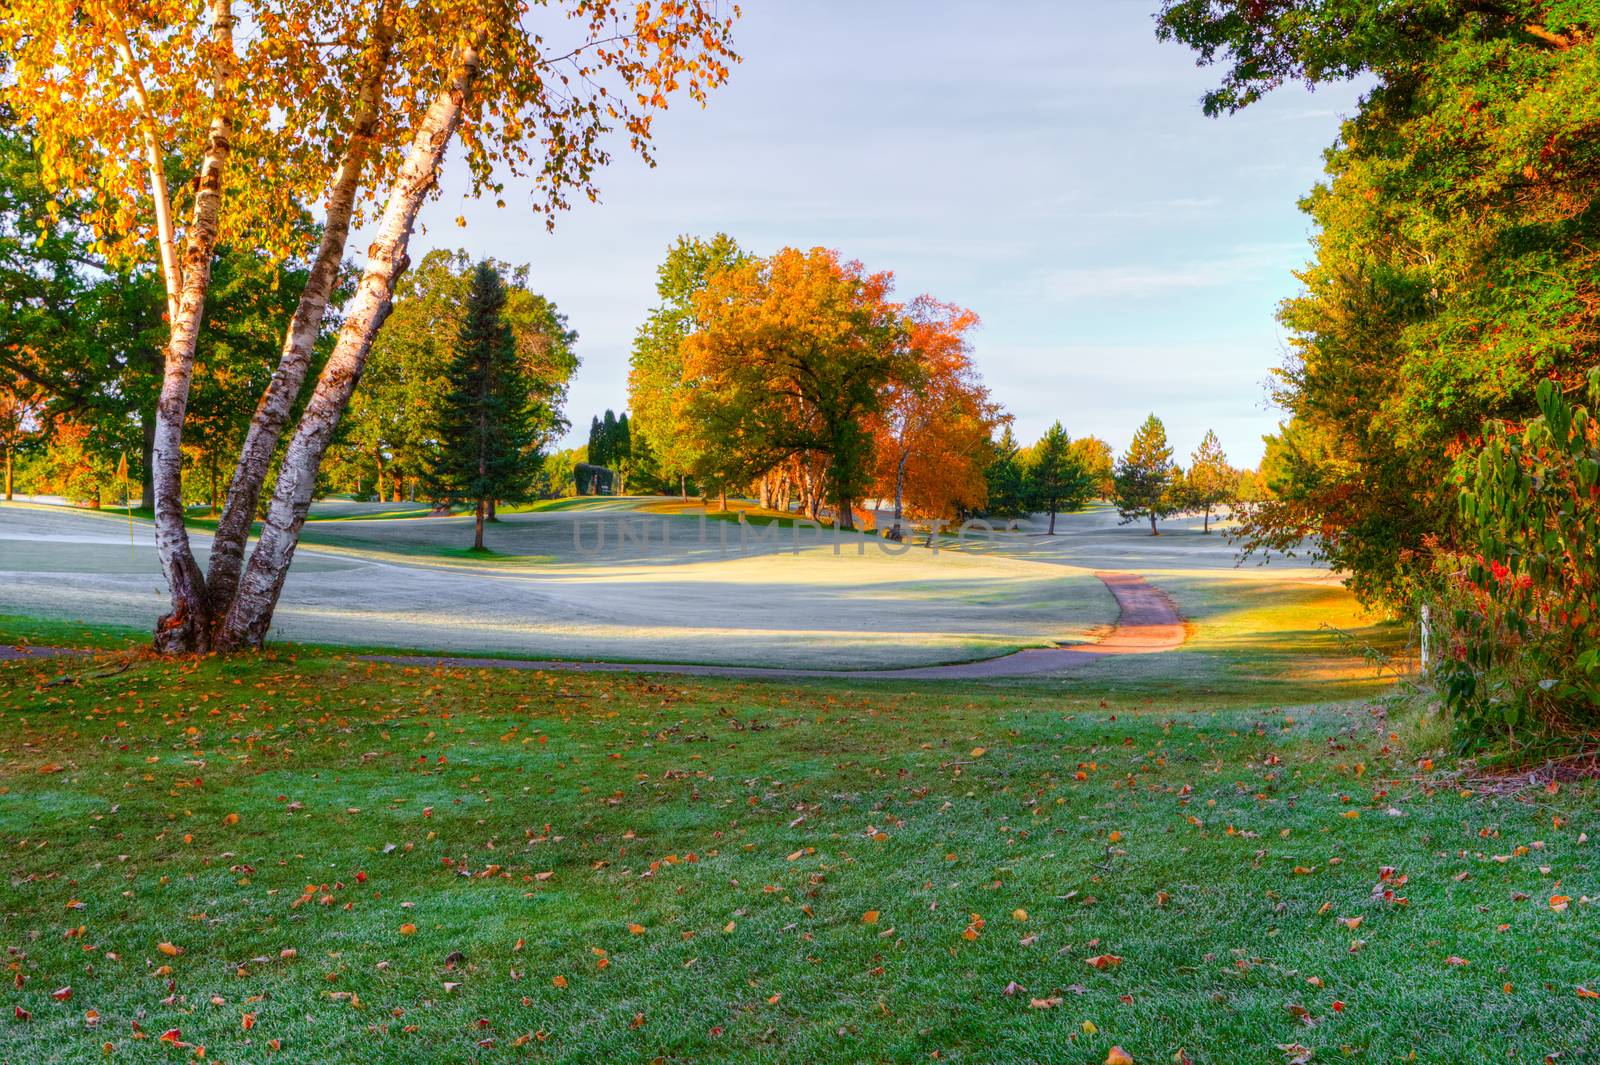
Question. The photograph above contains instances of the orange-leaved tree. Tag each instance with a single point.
(190, 123)
(937, 419)
(789, 359)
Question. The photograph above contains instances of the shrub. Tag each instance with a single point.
(1522, 625)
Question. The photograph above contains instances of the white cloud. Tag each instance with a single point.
(1243, 263)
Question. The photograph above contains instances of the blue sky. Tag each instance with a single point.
(1045, 164)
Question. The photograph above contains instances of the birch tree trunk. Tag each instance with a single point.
(250, 613)
(188, 626)
(899, 493)
(272, 412)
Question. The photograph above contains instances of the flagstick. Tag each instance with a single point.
(127, 505)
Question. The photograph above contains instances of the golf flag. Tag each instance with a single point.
(127, 500)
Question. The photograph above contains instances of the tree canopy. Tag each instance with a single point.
(1455, 256)
(347, 105)
(1056, 477)
(1146, 478)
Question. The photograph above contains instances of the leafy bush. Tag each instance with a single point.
(1522, 628)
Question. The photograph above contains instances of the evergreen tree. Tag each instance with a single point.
(597, 442)
(1145, 476)
(485, 428)
(1056, 477)
(608, 437)
(1006, 479)
(1210, 481)
(621, 448)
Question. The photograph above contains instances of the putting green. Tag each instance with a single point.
(655, 587)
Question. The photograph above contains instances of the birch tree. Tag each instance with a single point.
(185, 133)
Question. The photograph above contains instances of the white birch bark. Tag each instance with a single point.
(187, 626)
(250, 614)
(272, 412)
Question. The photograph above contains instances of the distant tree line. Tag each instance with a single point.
(1059, 475)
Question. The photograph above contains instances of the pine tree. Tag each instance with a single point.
(485, 428)
(1210, 481)
(597, 442)
(1145, 476)
(608, 438)
(1006, 479)
(621, 448)
(1056, 477)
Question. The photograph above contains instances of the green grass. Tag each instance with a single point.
(746, 829)
(56, 632)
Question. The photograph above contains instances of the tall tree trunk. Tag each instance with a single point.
(250, 613)
(683, 486)
(188, 626)
(490, 516)
(272, 412)
(477, 526)
(847, 516)
(1052, 531)
(1206, 528)
(722, 501)
(8, 471)
(147, 451)
(1153, 530)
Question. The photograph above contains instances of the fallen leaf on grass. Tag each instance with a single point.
(1118, 1056)
(1103, 961)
